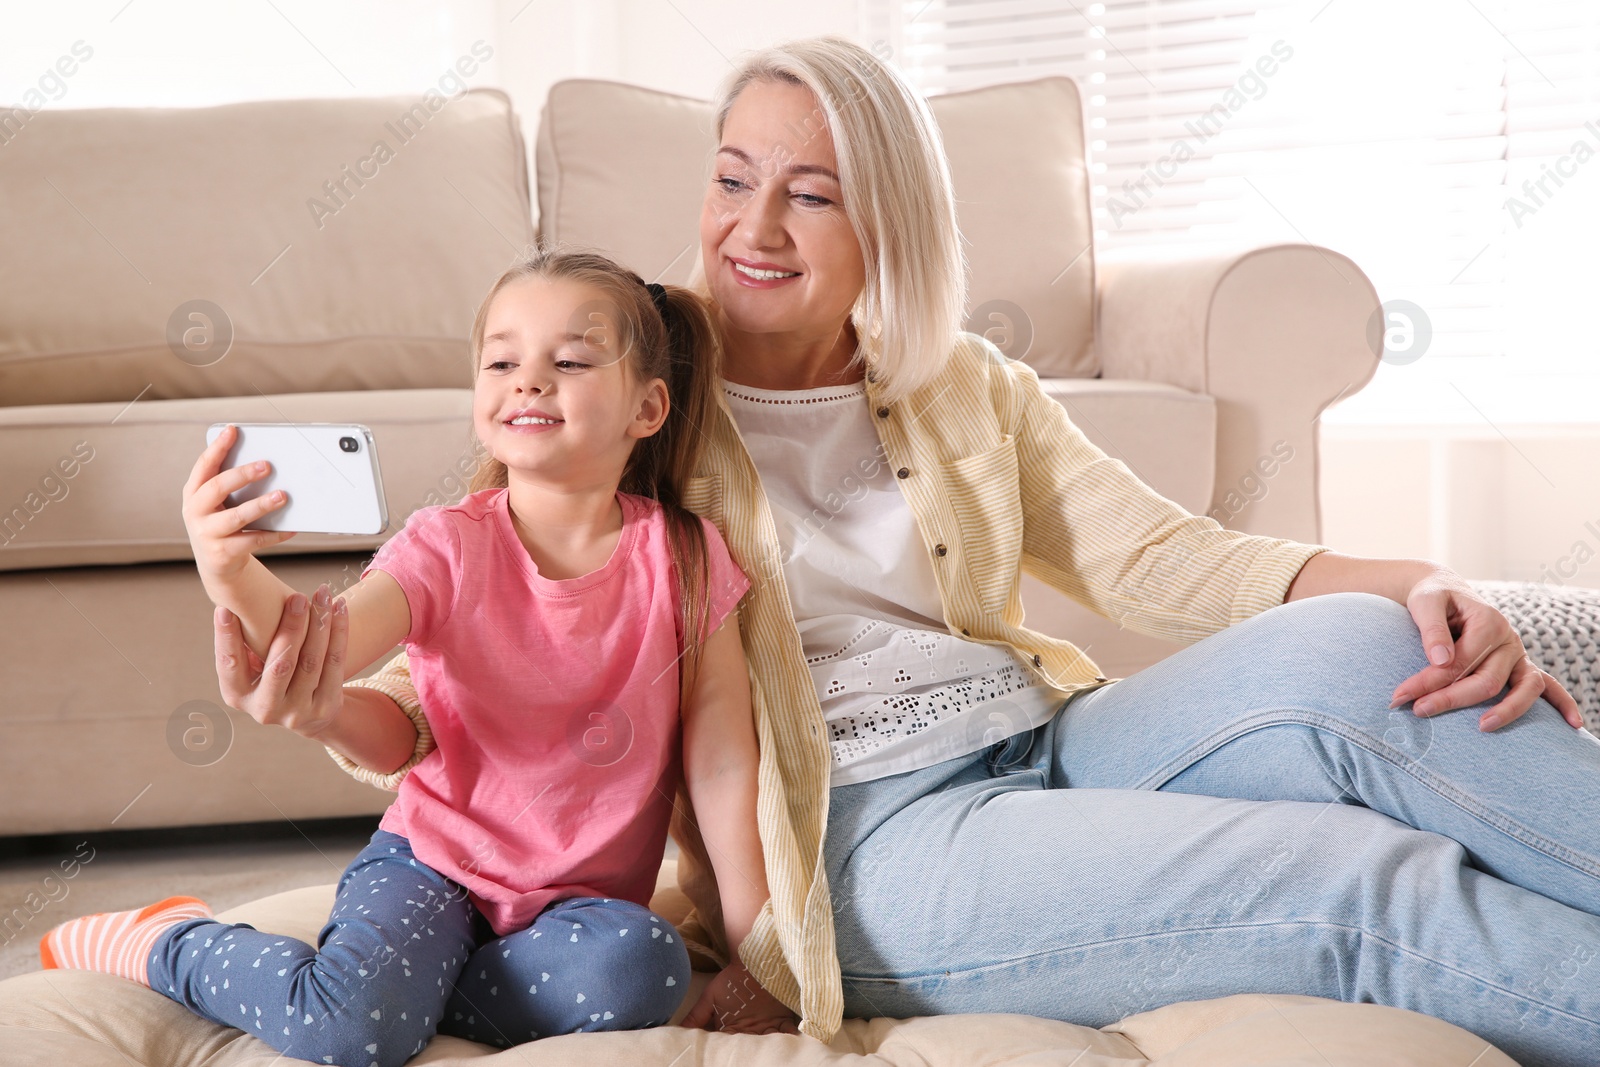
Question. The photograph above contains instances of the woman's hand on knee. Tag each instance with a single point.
(300, 686)
(1478, 663)
(734, 1002)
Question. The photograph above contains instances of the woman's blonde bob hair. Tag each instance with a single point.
(897, 195)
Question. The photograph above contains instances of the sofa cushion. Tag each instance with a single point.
(1021, 176)
(625, 169)
(82, 1018)
(112, 718)
(103, 483)
(346, 242)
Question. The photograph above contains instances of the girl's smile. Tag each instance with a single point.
(532, 420)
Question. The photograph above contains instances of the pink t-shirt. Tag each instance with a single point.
(553, 705)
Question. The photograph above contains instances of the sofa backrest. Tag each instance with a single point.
(624, 169)
(343, 244)
(317, 245)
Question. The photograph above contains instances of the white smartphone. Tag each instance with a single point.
(329, 470)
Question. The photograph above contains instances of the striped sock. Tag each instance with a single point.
(117, 942)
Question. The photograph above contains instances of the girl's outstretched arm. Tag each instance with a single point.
(373, 618)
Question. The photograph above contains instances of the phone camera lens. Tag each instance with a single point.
(349, 444)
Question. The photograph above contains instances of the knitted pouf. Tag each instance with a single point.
(1560, 628)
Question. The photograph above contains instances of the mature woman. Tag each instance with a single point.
(959, 813)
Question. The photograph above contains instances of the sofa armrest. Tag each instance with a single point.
(1275, 334)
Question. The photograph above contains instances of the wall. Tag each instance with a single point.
(1511, 503)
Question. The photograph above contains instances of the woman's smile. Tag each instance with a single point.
(756, 274)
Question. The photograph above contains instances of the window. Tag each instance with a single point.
(1401, 135)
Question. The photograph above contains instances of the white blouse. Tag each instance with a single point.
(898, 690)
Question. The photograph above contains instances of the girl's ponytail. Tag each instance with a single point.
(669, 458)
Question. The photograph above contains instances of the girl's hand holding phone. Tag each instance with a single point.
(222, 546)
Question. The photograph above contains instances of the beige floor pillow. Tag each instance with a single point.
(79, 1019)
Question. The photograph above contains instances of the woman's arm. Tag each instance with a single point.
(1332, 572)
(1096, 532)
(352, 630)
(719, 769)
(369, 730)
(254, 595)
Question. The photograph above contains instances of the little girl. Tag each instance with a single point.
(557, 618)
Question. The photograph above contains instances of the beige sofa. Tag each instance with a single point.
(351, 302)
(340, 280)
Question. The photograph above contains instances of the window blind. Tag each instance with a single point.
(1551, 206)
(1395, 134)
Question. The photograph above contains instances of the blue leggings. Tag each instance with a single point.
(362, 997)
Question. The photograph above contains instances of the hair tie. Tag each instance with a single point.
(658, 295)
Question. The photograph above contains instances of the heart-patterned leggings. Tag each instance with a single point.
(405, 954)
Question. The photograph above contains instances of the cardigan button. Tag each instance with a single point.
(940, 549)
(965, 632)
(872, 376)
(1036, 660)
(903, 472)
(883, 413)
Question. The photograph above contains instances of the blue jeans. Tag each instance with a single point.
(1247, 815)
(406, 954)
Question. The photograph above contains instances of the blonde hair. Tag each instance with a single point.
(897, 195)
(675, 341)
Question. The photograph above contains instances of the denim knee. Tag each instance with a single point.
(1364, 610)
(1357, 613)
(1362, 631)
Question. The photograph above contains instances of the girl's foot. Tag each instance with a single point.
(117, 942)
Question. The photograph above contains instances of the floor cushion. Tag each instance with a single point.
(57, 1018)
